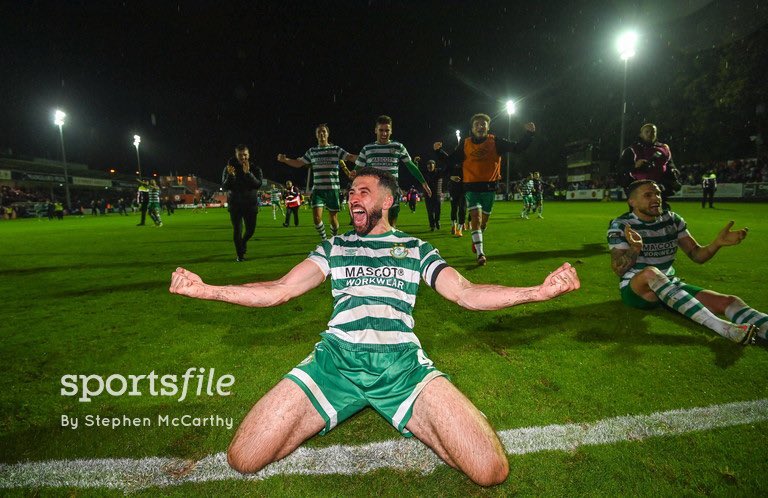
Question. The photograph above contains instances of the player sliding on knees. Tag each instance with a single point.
(369, 355)
(643, 245)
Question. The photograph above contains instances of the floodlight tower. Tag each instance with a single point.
(626, 45)
(58, 119)
(136, 142)
(511, 109)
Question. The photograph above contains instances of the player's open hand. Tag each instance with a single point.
(437, 145)
(186, 283)
(728, 237)
(427, 190)
(634, 239)
(530, 127)
(230, 170)
(281, 158)
(563, 280)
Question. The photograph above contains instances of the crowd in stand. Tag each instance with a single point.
(738, 171)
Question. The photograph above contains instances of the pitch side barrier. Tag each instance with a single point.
(745, 192)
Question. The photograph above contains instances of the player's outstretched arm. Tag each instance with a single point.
(302, 278)
(453, 286)
(293, 163)
(726, 237)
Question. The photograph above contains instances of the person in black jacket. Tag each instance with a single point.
(242, 182)
(434, 178)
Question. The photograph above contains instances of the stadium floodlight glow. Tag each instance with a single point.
(626, 44)
(136, 142)
(58, 120)
(511, 108)
(58, 117)
(458, 135)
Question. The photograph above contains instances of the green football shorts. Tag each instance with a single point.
(480, 200)
(325, 198)
(340, 382)
(631, 299)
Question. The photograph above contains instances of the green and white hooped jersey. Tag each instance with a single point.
(660, 239)
(274, 195)
(325, 166)
(374, 281)
(526, 187)
(386, 157)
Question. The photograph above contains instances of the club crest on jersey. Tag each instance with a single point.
(399, 251)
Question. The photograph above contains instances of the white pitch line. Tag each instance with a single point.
(401, 454)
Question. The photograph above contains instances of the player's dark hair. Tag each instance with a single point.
(637, 184)
(241, 147)
(383, 119)
(386, 179)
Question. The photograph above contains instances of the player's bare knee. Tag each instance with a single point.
(493, 472)
(729, 300)
(239, 460)
(650, 274)
(236, 461)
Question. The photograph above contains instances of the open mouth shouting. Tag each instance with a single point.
(364, 221)
(359, 216)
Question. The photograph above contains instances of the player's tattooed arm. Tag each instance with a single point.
(623, 259)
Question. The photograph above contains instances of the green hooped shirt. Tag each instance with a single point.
(374, 281)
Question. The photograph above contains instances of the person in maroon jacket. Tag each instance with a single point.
(649, 159)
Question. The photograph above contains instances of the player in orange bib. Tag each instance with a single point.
(480, 159)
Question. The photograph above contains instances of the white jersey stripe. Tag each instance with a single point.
(368, 310)
(381, 291)
(370, 336)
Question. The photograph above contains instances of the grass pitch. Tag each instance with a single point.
(89, 296)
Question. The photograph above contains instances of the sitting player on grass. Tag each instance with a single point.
(643, 246)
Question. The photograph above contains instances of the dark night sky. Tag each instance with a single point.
(196, 78)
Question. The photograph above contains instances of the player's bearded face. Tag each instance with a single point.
(365, 219)
(647, 201)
